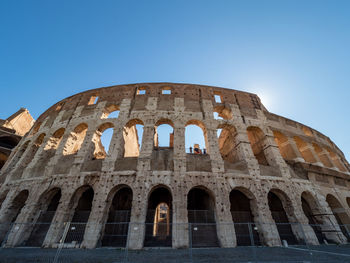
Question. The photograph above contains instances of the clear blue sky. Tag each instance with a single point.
(294, 54)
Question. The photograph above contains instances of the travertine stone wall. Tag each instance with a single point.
(67, 160)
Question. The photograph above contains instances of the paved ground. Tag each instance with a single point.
(330, 253)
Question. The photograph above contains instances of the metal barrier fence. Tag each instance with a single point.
(167, 242)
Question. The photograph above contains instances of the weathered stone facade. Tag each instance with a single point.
(271, 162)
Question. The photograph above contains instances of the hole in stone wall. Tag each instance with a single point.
(195, 138)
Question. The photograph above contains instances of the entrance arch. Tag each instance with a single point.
(49, 202)
(159, 218)
(82, 200)
(339, 213)
(242, 217)
(201, 216)
(13, 210)
(117, 225)
(281, 219)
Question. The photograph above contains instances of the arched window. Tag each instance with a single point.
(284, 146)
(196, 141)
(75, 139)
(164, 134)
(227, 143)
(222, 113)
(256, 138)
(304, 149)
(111, 111)
(102, 139)
(322, 155)
(132, 134)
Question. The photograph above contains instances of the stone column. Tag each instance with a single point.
(217, 163)
(293, 145)
(95, 224)
(136, 234)
(273, 155)
(144, 161)
(63, 215)
(245, 152)
(180, 228)
(225, 228)
(264, 222)
(179, 149)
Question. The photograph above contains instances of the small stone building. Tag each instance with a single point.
(11, 131)
(265, 173)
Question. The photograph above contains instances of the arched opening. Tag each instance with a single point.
(47, 209)
(222, 113)
(159, 218)
(305, 151)
(132, 134)
(117, 224)
(75, 139)
(196, 140)
(33, 149)
(339, 164)
(13, 210)
(243, 219)
(111, 111)
(8, 142)
(322, 155)
(102, 139)
(164, 134)
(339, 213)
(227, 143)
(256, 138)
(313, 216)
(307, 131)
(201, 216)
(85, 196)
(55, 140)
(284, 146)
(281, 219)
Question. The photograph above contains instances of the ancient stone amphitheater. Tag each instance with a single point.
(289, 181)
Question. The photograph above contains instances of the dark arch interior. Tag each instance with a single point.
(13, 211)
(8, 142)
(280, 217)
(80, 217)
(117, 225)
(43, 223)
(159, 218)
(339, 214)
(201, 208)
(312, 220)
(246, 234)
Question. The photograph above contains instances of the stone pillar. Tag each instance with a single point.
(95, 224)
(63, 215)
(144, 161)
(293, 145)
(264, 222)
(116, 149)
(179, 149)
(225, 228)
(136, 234)
(273, 155)
(180, 220)
(245, 152)
(217, 163)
